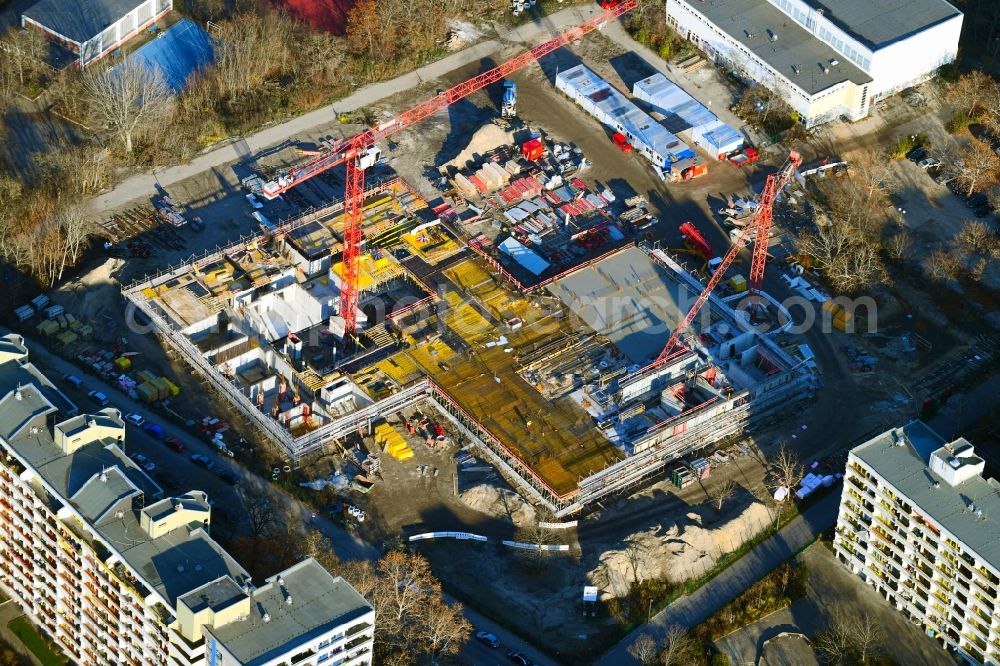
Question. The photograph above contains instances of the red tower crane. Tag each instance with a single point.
(760, 228)
(361, 152)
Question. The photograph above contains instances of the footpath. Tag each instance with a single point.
(240, 148)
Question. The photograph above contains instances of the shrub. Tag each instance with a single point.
(906, 143)
(949, 72)
(960, 122)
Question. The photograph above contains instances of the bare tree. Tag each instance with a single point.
(788, 466)
(867, 638)
(972, 90)
(127, 100)
(643, 649)
(259, 508)
(980, 166)
(899, 243)
(977, 238)
(317, 546)
(443, 629)
(723, 493)
(676, 646)
(873, 171)
(942, 264)
(834, 643)
(635, 552)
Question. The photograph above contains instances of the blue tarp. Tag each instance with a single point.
(178, 53)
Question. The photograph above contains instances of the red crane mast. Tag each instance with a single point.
(360, 151)
(761, 223)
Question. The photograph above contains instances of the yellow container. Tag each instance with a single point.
(830, 306)
(173, 388)
(738, 283)
(123, 363)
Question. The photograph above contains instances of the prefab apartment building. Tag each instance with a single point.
(919, 523)
(92, 29)
(118, 574)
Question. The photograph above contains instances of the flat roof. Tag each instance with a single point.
(752, 22)
(630, 299)
(320, 602)
(876, 23)
(218, 595)
(104, 486)
(614, 104)
(906, 468)
(80, 20)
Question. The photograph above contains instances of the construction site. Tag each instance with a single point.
(527, 311)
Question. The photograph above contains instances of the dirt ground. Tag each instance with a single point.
(666, 532)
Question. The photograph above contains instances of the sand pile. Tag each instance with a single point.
(499, 502)
(678, 551)
(486, 138)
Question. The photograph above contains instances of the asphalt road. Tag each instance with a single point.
(692, 609)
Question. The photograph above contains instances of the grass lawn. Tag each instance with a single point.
(32, 640)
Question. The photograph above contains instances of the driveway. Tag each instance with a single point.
(833, 589)
(693, 609)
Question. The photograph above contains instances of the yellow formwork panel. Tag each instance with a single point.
(403, 456)
(470, 276)
(401, 368)
(468, 323)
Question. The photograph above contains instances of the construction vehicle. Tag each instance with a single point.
(509, 108)
(761, 226)
(361, 151)
(695, 242)
(744, 157)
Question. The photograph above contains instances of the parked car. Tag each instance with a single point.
(928, 162)
(139, 458)
(73, 379)
(253, 201)
(917, 154)
(199, 459)
(519, 658)
(488, 638)
(154, 430)
(174, 444)
(228, 476)
(149, 466)
(944, 179)
(135, 419)
(99, 398)
(619, 140)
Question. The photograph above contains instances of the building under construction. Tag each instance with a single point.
(551, 382)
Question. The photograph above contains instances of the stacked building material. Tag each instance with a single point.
(392, 442)
(701, 468)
